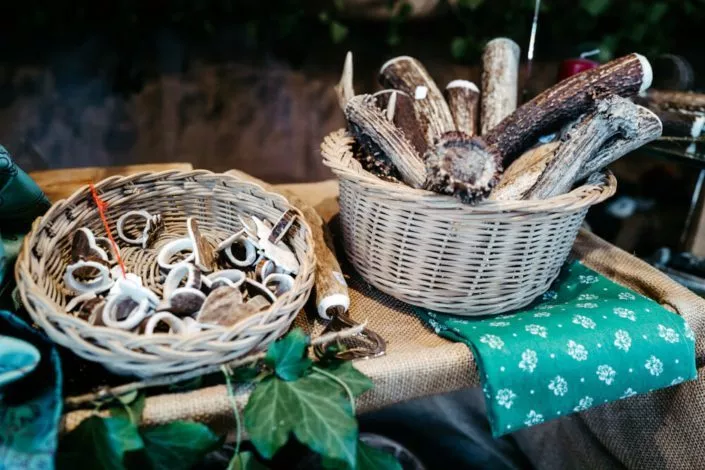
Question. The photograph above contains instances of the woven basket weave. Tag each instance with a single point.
(432, 251)
(216, 201)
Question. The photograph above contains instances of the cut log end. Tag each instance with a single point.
(463, 167)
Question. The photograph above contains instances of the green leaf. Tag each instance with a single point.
(178, 445)
(471, 4)
(357, 382)
(338, 32)
(314, 410)
(367, 458)
(595, 7)
(245, 374)
(246, 461)
(656, 12)
(130, 408)
(187, 385)
(287, 356)
(99, 443)
(459, 48)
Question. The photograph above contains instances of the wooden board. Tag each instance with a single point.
(59, 184)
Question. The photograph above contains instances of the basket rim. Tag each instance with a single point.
(336, 150)
(26, 283)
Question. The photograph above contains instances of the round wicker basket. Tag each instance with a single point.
(435, 252)
(216, 201)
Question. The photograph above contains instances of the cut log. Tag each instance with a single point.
(463, 99)
(409, 75)
(500, 81)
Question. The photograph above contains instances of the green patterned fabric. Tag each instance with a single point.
(585, 342)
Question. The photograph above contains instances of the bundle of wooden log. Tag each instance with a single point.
(459, 141)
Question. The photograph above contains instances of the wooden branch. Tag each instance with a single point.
(376, 133)
(675, 100)
(566, 101)
(521, 175)
(409, 75)
(463, 99)
(344, 89)
(399, 109)
(500, 78)
(647, 127)
(613, 116)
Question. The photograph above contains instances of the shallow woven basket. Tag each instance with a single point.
(433, 251)
(216, 201)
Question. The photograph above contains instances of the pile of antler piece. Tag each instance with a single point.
(681, 112)
(413, 133)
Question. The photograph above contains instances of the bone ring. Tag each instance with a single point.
(175, 324)
(133, 214)
(134, 318)
(173, 247)
(100, 283)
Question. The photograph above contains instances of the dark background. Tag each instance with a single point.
(248, 84)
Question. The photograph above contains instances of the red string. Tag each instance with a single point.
(102, 205)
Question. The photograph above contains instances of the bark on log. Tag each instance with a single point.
(566, 101)
(399, 108)
(647, 126)
(463, 99)
(409, 75)
(376, 133)
(675, 100)
(521, 175)
(613, 116)
(500, 81)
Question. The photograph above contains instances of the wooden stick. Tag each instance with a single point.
(614, 115)
(463, 99)
(376, 133)
(409, 75)
(500, 81)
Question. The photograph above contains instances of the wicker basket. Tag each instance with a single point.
(215, 200)
(433, 251)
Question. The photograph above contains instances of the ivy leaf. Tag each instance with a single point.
(187, 385)
(314, 410)
(357, 382)
(595, 7)
(658, 9)
(368, 458)
(130, 408)
(99, 443)
(245, 374)
(287, 356)
(178, 445)
(246, 461)
(338, 32)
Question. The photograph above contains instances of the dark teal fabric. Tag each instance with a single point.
(586, 342)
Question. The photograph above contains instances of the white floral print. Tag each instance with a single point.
(654, 365)
(583, 404)
(677, 380)
(668, 334)
(584, 297)
(499, 323)
(587, 279)
(626, 296)
(537, 330)
(507, 317)
(606, 374)
(505, 398)
(587, 305)
(622, 340)
(624, 313)
(689, 332)
(577, 351)
(437, 327)
(493, 341)
(533, 418)
(542, 314)
(550, 295)
(558, 386)
(528, 361)
(628, 393)
(584, 321)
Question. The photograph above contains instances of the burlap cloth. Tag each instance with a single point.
(660, 430)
